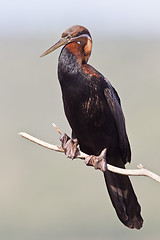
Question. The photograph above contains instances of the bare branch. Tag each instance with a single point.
(130, 172)
(41, 143)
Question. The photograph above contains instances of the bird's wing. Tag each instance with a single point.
(113, 101)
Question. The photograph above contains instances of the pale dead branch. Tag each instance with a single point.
(130, 172)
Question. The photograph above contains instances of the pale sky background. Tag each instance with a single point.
(122, 17)
(44, 195)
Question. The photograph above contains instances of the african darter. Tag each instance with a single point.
(93, 109)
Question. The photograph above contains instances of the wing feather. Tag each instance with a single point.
(113, 101)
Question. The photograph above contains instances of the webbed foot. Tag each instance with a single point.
(70, 146)
(99, 162)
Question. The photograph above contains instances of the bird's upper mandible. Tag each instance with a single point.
(79, 35)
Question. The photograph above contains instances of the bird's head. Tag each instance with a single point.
(78, 34)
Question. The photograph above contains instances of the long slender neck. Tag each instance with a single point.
(69, 63)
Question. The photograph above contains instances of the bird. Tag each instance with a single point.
(93, 109)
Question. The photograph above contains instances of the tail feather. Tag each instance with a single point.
(124, 199)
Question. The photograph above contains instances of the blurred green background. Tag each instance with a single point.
(43, 195)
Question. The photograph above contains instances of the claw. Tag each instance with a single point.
(70, 146)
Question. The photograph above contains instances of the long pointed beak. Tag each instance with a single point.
(60, 43)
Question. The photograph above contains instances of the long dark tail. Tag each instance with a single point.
(124, 199)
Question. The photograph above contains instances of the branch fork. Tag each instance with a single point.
(98, 162)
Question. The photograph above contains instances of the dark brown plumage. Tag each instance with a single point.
(93, 109)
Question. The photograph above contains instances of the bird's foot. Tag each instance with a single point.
(70, 146)
(98, 162)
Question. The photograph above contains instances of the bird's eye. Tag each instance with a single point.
(68, 37)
